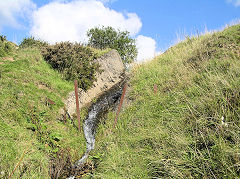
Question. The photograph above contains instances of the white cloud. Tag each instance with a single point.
(64, 20)
(235, 2)
(146, 48)
(13, 10)
(69, 21)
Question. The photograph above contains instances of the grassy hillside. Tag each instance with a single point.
(29, 124)
(190, 128)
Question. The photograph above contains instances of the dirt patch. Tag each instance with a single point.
(43, 86)
(40, 86)
(8, 59)
(61, 166)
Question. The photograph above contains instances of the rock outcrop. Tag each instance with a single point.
(113, 73)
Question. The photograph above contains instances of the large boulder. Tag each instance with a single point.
(113, 73)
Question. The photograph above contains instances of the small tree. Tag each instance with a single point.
(108, 37)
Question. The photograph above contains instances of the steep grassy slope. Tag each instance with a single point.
(190, 128)
(28, 122)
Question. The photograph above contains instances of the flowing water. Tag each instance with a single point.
(106, 101)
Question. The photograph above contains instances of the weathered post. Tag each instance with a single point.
(120, 104)
(77, 104)
(155, 89)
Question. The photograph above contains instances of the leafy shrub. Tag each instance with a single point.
(6, 47)
(3, 38)
(74, 61)
(108, 37)
(32, 42)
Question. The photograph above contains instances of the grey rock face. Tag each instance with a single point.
(113, 70)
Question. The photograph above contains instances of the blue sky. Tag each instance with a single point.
(154, 23)
(162, 19)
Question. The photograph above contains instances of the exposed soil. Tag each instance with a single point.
(8, 59)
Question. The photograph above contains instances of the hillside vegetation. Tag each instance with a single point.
(190, 128)
(74, 61)
(6, 47)
(32, 132)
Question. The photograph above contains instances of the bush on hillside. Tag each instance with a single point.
(32, 42)
(6, 47)
(74, 61)
(108, 37)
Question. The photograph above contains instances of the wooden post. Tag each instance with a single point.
(20, 160)
(120, 105)
(77, 104)
(155, 89)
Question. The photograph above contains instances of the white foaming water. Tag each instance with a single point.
(90, 123)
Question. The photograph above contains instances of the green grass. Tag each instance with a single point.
(26, 122)
(178, 133)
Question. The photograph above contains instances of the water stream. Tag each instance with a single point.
(97, 109)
